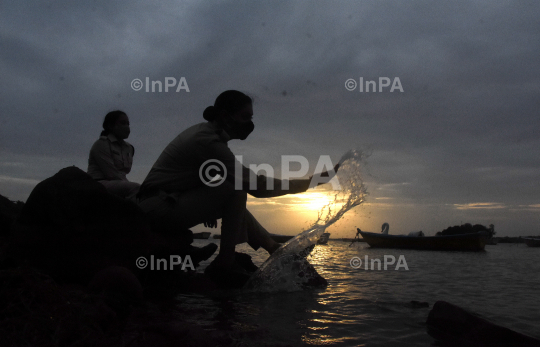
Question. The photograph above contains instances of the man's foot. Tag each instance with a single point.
(199, 254)
(274, 247)
(244, 260)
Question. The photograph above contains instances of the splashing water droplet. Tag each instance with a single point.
(287, 269)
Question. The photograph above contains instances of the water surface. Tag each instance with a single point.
(370, 307)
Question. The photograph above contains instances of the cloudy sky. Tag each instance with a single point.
(459, 144)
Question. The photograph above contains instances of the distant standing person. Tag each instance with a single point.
(111, 157)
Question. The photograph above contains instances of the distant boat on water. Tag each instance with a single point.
(532, 242)
(323, 240)
(461, 242)
(202, 235)
(492, 241)
(355, 239)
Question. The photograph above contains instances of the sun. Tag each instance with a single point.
(311, 201)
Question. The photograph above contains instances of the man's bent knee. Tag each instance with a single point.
(228, 189)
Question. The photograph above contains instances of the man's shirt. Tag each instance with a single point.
(177, 168)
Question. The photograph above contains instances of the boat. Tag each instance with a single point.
(532, 242)
(492, 241)
(461, 242)
(281, 238)
(202, 235)
(323, 240)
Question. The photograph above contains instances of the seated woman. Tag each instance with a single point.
(174, 191)
(111, 157)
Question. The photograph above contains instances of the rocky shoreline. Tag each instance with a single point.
(68, 275)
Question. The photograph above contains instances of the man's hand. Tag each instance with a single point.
(211, 224)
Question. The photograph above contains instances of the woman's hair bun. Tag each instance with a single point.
(230, 101)
(210, 113)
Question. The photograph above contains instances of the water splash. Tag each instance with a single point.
(287, 269)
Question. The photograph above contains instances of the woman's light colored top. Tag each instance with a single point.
(110, 159)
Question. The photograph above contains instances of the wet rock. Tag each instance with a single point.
(418, 304)
(286, 272)
(457, 327)
(36, 311)
(119, 287)
(226, 278)
(309, 276)
(175, 334)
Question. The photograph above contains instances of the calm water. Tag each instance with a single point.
(369, 307)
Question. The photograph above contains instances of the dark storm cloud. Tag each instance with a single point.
(464, 129)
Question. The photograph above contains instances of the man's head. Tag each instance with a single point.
(233, 112)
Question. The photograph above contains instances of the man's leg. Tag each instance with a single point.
(237, 224)
(258, 236)
(209, 203)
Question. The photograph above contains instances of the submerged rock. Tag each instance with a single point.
(289, 272)
(418, 304)
(454, 325)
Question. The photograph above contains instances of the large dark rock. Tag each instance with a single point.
(36, 311)
(71, 227)
(457, 327)
(9, 211)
